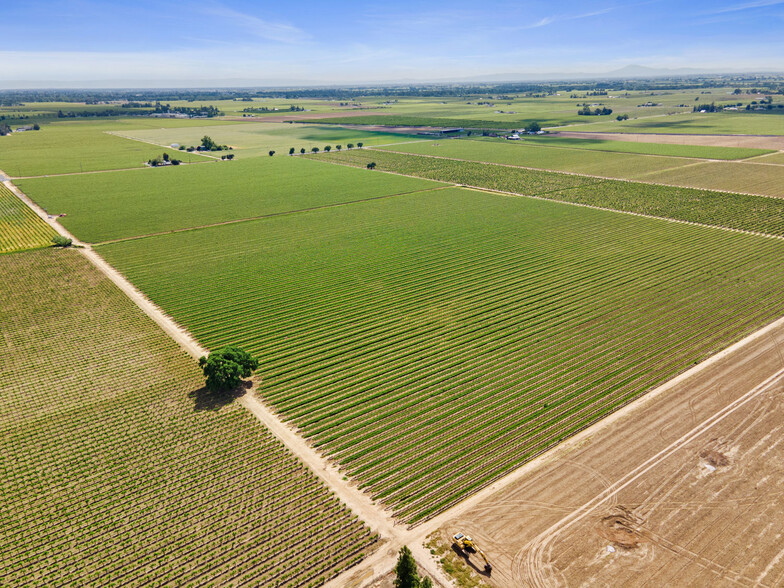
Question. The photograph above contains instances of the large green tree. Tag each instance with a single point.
(226, 367)
(406, 575)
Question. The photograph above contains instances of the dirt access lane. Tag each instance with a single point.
(681, 488)
(751, 141)
(392, 536)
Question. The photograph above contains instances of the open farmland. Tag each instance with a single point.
(69, 147)
(583, 161)
(573, 141)
(252, 139)
(124, 204)
(390, 325)
(716, 123)
(746, 177)
(775, 158)
(766, 142)
(753, 177)
(684, 489)
(20, 227)
(118, 469)
(735, 211)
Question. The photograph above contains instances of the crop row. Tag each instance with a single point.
(20, 227)
(735, 211)
(392, 331)
(144, 480)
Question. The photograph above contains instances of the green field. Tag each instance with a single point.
(746, 177)
(120, 470)
(253, 139)
(775, 158)
(717, 123)
(384, 327)
(75, 146)
(20, 227)
(582, 161)
(670, 150)
(108, 206)
(736, 211)
(750, 177)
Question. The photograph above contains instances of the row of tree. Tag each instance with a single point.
(586, 111)
(291, 108)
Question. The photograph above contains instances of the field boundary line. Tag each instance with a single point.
(640, 214)
(700, 159)
(582, 175)
(271, 215)
(392, 534)
(533, 549)
(594, 207)
(98, 171)
(130, 138)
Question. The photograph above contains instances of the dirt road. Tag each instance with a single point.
(627, 483)
(681, 488)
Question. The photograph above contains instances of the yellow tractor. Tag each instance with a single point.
(465, 544)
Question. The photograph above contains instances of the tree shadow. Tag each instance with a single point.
(207, 400)
(466, 557)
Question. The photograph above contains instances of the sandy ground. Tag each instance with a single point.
(752, 141)
(685, 490)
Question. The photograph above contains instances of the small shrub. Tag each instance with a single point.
(61, 241)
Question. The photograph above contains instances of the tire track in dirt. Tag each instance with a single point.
(529, 567)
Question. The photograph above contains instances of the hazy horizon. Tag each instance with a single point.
(237, 42)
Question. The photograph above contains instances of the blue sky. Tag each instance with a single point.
(352, 42)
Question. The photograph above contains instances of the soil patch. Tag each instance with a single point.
(715, 458)
(621, 528)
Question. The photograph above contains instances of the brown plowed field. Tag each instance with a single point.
(686, 490)
(751, 141)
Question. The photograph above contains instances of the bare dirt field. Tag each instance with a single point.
(751, 141)
(685, 490)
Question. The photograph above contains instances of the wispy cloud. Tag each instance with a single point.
(271, 31)
(746, 6)
(548, 20)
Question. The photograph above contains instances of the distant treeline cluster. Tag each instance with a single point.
(267, 109)
(762, 104)
(142, 109)
(158, 108)
(764, 84)
(586, 111)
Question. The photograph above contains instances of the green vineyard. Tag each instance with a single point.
(117, 468)
(420, 321)
(20, 227)
(735, 211)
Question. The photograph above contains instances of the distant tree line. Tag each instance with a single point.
(267, 109)
(158, 108)
(586, 111)
(752, 83)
